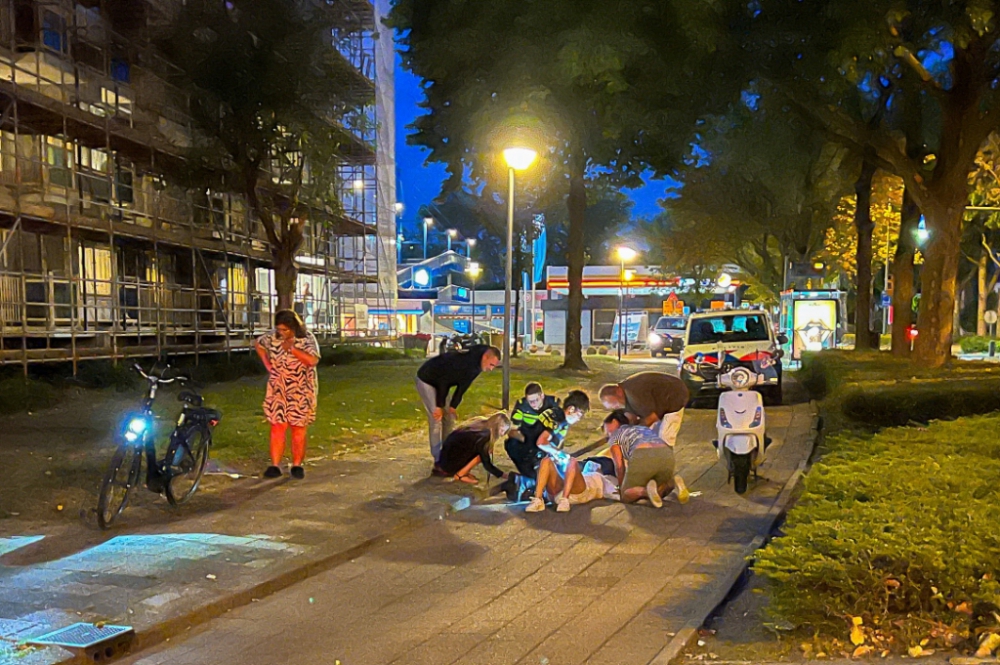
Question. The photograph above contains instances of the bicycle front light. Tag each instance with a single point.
(135, 429)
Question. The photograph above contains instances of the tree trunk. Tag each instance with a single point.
(903, 277)
(285, 275)
(577, 204)
(981, 293)
(865, 227)
(939, 276)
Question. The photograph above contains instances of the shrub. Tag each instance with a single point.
(603, 350)
(556, 352)
(105, 374)
(346, 354)
(895, 528)
(591, 351)
(533, 348)
(20, 394)
(975, 344)
(548, 348)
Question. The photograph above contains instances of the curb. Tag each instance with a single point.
(717, 594)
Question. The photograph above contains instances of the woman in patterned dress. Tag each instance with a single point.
(290, 355)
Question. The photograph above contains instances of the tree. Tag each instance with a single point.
(933, 67)
(270, 95)
(760, 190)
(600, 92)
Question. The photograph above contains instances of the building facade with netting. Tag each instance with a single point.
(102, 256)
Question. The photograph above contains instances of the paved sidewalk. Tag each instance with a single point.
(235, 546)
(604, 584)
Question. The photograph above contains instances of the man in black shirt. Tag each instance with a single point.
(436, 378)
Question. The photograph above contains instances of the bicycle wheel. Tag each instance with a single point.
(185, 463)
(119, 481)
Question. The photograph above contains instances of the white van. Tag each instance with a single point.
(717, 341)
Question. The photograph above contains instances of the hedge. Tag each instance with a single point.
(897, 529)
(975, 344)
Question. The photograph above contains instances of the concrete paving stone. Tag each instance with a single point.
(494, 651)
(441, 649)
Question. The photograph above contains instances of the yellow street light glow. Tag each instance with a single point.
(429, 221)
(629, 275)
(359, 184)
(471, 242)
(519, 158)
(724, 280)
(473, 269)
(627, 253)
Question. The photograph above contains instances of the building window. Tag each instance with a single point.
(59, 158)
(54, 31)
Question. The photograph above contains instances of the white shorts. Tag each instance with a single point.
(594, 490)
(668, 428)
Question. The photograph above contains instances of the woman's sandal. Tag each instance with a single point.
(467, 478)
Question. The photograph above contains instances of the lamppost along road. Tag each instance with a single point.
(518, 159)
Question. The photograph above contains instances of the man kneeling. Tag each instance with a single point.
(566, 484)
(644, 463)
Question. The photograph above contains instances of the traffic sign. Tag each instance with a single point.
(886, 300)
(990, 317)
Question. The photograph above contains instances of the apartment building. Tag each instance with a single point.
(103, 256)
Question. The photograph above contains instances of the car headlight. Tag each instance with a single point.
(654, 338)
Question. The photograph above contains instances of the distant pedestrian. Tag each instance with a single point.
(472, 444)
(653, 399)
(526, 418)
(438, 376)
(290, 354)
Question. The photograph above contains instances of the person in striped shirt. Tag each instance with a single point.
(644, 463)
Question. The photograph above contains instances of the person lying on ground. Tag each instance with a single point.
(471, 444)
(520, 445)
(438, 376)
(644, 463)
(565, 486)
(649, 398)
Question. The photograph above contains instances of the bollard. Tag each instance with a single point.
(993, 348)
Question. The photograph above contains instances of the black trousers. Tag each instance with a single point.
(525, 456)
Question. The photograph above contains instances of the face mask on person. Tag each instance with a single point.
(573, 417)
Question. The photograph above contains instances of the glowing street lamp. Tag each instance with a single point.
(469, 244)
(625, 253)
(518, 159)
(451, 234)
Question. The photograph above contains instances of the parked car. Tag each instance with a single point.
(667, 336)
(717, 342)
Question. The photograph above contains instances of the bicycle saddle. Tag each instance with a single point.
(190, 397)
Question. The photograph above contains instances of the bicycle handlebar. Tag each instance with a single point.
(159, 379)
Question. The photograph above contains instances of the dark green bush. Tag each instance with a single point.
(920, 401)
(18, 394)
(105, 374)
(346, 354)
(975, 344)
(896, 528)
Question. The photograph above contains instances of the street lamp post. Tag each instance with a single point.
(624, 254)
(517, 159)
(428, 222)
(469, 244)
(473, 271)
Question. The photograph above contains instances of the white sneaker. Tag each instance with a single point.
(536, 505)
(562, 505)
(653, 493)
(682, 491)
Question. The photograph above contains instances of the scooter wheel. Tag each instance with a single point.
(741, 472)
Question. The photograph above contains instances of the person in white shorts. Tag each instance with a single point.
(584, 485)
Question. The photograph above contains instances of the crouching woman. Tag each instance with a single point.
(471, 444)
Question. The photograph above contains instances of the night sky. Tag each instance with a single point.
(417, 183)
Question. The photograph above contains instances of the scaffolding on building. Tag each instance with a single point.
(101, 256)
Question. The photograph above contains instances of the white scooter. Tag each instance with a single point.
(740, 425)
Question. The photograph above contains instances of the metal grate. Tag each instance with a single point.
(80, 636)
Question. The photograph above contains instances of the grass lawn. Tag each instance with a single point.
(364, 402)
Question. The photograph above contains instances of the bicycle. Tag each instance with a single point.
(179, 473)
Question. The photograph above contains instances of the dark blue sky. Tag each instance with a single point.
(418, 183)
